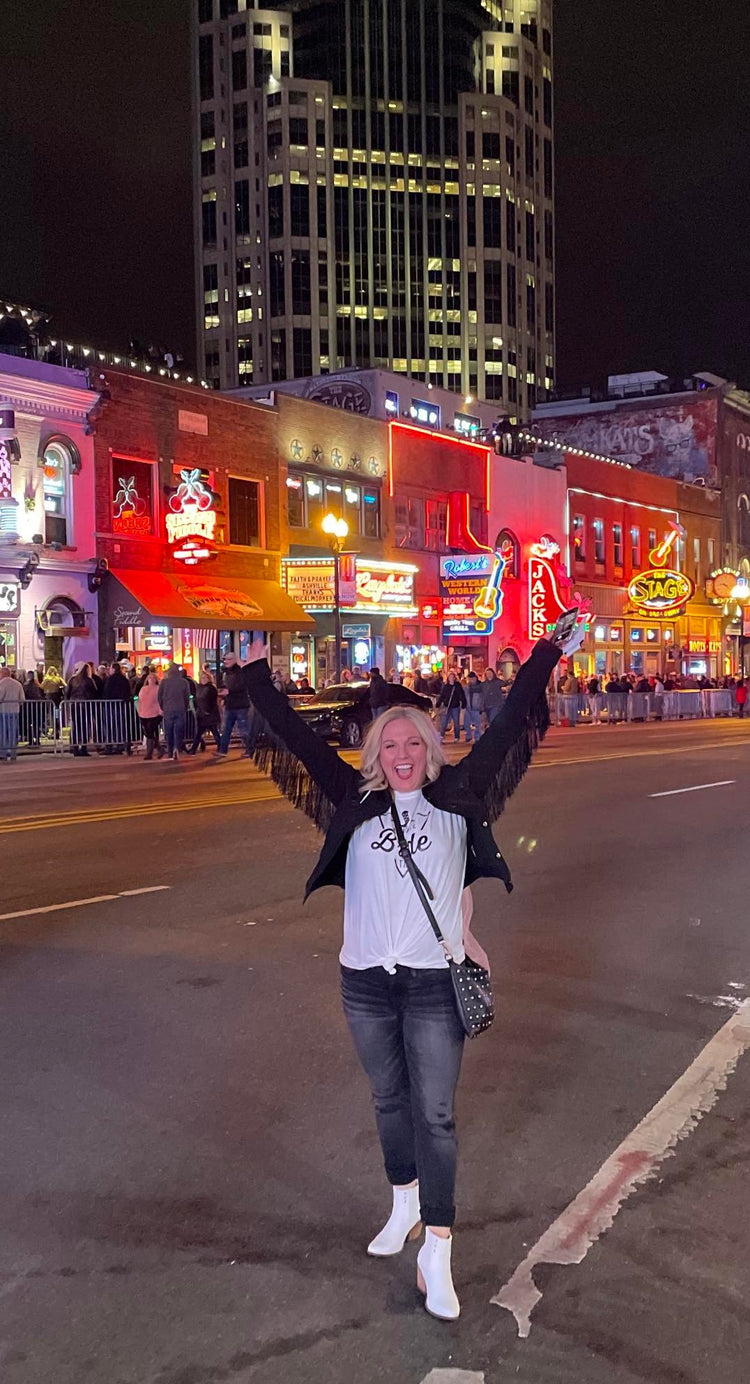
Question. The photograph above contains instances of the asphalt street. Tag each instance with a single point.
(189, 1173)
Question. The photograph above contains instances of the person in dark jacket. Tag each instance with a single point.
(174, 699)
(32, 716)
(80, 692)
(473, 712)
(452, 699)
(396, 985)
(493, 698)
(378, 692)
(236, 704)
(117, 711)
(206, 712)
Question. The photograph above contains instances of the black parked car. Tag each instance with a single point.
(342, 712)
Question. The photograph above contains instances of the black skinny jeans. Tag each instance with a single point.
(410, 1041)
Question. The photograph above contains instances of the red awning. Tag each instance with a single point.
(190, 601)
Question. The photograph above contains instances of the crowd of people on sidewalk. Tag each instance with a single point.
(113, 704)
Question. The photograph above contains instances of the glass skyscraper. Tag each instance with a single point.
(374, 187)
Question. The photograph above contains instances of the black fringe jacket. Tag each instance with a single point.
(315, 778)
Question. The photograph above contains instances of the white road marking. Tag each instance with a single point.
(569, 1238)
(81, 903)
(454, 1377)
(697, 788)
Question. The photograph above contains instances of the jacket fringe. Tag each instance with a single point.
(517, 760)
(272, 757)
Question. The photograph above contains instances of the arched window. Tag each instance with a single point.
(59, 461)
(508, 546)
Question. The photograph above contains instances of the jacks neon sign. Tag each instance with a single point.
(546, 601)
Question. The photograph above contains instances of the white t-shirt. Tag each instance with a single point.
(384, 921)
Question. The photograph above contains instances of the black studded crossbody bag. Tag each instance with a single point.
(472, 987)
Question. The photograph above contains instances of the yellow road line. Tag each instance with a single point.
(10, 825)
(88, 816)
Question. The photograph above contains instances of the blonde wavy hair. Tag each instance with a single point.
(373, 777)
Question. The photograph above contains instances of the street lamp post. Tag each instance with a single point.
(741, 594)
(336, 530)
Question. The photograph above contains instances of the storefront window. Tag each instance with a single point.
(371, 514)
(314, 501)
(668, 634)
(600, 633)
(8, 644)
(132, 497)
(295, 503)
(244, 512)
(615, 633)
(353, 507)
(652, 636)
(334, 492)
(579, 537)
(636, 660)
(56, 465)
(599, 541)
(636, 636)
(410, 522)
(635, 546)
(617, 544)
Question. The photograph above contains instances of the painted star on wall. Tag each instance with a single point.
(296, 450)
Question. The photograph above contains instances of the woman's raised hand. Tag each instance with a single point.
(258, 649)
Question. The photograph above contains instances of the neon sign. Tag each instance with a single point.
(191, 513)
(130, 510)
(384, 588)
(193, 550)
(660, 592)
(546, 602)
(472, 591)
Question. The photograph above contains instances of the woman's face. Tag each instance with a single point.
(403, 756)
(488, 675)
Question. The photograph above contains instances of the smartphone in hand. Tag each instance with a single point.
(565, 626)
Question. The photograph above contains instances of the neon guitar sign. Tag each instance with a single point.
(472, 591)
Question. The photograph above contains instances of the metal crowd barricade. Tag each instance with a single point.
(717, 701)
(617, 705)
(104, 725)
(677, 706)
(639, 706)
(38, 726)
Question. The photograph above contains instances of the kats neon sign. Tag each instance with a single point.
(191, 513)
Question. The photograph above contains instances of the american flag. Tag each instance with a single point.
(205, 639)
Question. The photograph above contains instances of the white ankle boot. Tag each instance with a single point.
(434, 1277)
(403, 1223)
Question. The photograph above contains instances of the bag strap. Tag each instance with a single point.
(421, 885)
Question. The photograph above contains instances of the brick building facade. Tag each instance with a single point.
(173, 464)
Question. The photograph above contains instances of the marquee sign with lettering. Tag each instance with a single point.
(191, 520)
(130, 512)
(659, 592)
(191, 512)
(383, 588)
(472, 596)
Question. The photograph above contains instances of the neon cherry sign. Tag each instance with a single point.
(191, 513)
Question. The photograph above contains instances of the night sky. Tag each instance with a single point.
(653, 156)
